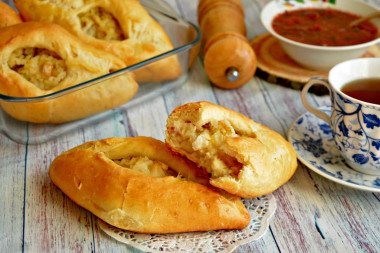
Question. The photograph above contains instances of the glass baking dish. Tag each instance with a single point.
(185, 38)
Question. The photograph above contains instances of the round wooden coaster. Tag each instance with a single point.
(272, 59)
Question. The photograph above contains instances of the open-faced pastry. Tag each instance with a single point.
(138, 184)
(121, 27)
(41, 58)
(241, 156)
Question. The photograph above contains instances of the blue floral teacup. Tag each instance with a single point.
(355, 124)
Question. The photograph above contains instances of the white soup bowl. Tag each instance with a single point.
(321, 58)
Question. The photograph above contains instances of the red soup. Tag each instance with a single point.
(323, 27)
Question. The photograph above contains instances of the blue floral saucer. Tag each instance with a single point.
(315, 147)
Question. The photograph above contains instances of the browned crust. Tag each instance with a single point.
(138, 202)
(83, 63)
(8, 16)
(145, 37)
(268, 160)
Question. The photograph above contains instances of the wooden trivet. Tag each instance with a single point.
(275, 66)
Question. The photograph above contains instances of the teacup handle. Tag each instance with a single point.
(313, 110)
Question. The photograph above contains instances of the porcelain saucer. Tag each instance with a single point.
(312, 140)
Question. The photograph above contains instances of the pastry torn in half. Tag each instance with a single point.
(241, 156)
(139, 185)
(121, 27)
(41, 58)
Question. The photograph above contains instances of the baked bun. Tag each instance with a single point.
(40, 58)
(242, 157)
(8, 16)
(136, 184)
(121, 27)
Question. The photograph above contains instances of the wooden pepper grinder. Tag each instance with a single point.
(229, 59)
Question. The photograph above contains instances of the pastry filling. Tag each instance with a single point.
(101, 24)
(204, 145)
(146, 166)
(42, 67)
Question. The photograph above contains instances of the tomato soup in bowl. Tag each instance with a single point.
(319, 37)
(323, 27)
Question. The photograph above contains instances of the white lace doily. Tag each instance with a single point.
(261, 210)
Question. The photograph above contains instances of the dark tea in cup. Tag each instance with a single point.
(366, 90)
(354, 88)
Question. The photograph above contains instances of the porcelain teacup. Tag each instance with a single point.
(355, 124)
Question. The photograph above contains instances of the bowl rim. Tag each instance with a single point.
(315, 47)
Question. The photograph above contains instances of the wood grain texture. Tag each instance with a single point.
(12, 165)
(313, 214)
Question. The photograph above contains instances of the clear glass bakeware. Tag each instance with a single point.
(184, 36)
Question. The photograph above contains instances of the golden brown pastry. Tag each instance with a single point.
(242, 157)
(121, 27)
(138, 184)
(40, 58)
(8, 16)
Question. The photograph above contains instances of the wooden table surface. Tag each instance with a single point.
(313, 214)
